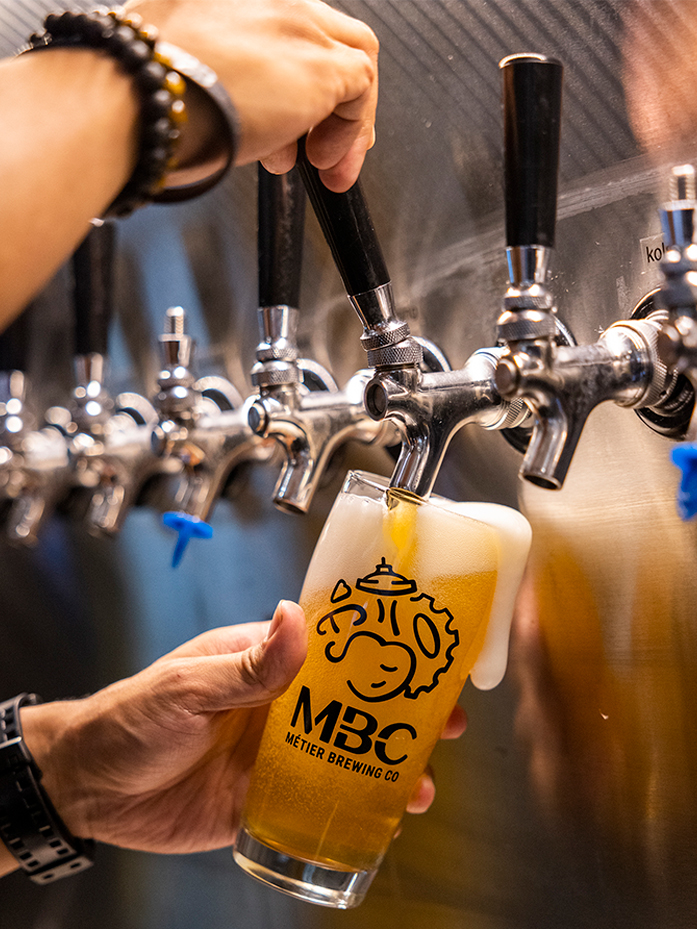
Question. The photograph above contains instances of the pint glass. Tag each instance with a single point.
(401, 597)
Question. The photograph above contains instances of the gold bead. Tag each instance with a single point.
(134, 21)
(149, 34)
(177, 112)
(174, 83)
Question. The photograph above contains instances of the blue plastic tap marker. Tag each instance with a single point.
(188, 527)
(685, 457)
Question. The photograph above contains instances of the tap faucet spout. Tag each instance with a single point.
(33, 461)
(108, 438)
(429, 407)
(308, 425)
(562, 384)
(203, 425)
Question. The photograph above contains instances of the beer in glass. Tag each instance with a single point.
(401, 597)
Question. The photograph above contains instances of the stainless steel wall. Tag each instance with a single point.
(570, 800)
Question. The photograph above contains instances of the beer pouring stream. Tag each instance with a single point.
(412, 385)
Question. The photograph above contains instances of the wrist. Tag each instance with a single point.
(208, 140)
(51, 735)
(30, 826)
(132, 47)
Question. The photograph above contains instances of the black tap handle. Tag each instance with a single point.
(532, 126)
(93, 289)
(14, 343)
(348, 229)
(281, 200)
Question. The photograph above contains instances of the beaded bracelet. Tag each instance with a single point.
(133, 47)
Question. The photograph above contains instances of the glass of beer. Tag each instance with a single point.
(404, 597)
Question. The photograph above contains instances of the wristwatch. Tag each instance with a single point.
(30, 827)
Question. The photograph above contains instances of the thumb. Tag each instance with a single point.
(267, 669)
(254, 676)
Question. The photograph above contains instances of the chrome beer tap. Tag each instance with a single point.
(108, 437)
(33, 461)
(677, 344)
(678, 339)
(92, 416)
(16, 419)
(96, 444)
(412, 385)
(203, 426)
(309, 425)
(561, 383)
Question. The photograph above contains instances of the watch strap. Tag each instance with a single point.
(30, 827)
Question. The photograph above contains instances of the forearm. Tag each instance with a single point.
(70, 139)
(71, 117)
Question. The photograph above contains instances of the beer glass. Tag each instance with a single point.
(403, 598)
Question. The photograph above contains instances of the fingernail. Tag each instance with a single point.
(276, 620)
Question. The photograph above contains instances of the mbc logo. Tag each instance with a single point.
(350, 729)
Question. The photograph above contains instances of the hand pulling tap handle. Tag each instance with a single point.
(281, 202)
(348, 229)
(350, 234)
(532, 125)
(93, 263)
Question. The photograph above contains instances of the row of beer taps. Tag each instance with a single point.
(534, 381)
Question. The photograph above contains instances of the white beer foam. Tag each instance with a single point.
(514, 536)
(352, 532)
(448, 544)
(357, 533)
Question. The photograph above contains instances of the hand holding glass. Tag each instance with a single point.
(404, 598)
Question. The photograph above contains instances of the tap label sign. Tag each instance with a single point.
(653, 250)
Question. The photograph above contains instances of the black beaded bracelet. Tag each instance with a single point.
(30, 827)
(133, 47)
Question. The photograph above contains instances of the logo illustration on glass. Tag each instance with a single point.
(402, 644)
